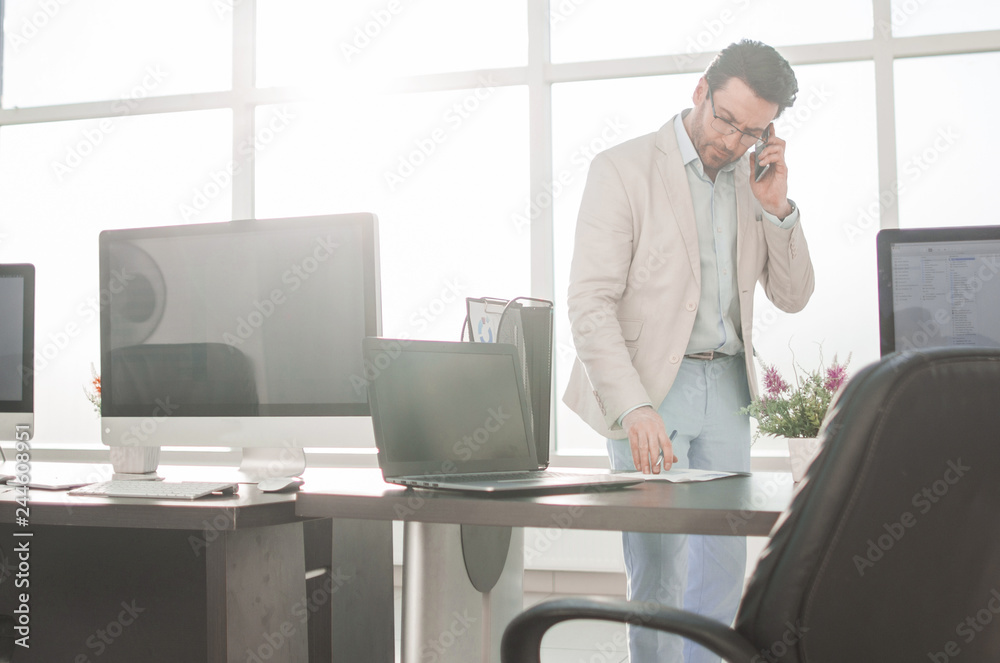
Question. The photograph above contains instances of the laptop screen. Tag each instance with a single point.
(939, 287)
(442, 408)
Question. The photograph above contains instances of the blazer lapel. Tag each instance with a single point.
(675, 183)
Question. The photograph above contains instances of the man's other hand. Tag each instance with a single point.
(648, 438)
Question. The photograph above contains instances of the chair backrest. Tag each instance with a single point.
(890, 550)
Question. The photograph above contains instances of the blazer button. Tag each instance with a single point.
(674, 359)
(691, 306)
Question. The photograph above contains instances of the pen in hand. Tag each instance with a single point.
(659, 461)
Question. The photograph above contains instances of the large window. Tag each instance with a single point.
(944, 113)
(60, 52)
(606, 29)
(63, 182)
(468, 127)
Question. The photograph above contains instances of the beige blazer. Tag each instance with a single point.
(635, 278)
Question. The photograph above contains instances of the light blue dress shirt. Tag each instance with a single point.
(717, 324)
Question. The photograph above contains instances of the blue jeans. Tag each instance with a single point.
(703, 574)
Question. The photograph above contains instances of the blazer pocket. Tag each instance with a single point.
(630, 329)
(630, 332)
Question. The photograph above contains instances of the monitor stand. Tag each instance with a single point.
(271, 462)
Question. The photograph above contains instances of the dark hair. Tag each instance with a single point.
(758, 65)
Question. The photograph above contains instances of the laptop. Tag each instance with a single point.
(453, 416)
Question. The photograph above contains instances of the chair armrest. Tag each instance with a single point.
(522, 638)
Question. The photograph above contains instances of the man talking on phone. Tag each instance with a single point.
(675, 231)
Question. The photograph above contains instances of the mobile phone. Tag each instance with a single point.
(759, 170)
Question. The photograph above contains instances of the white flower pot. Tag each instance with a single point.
(802, 451)
(134, 460)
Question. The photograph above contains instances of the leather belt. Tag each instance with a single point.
(708, 355)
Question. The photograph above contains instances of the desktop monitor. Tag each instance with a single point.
(938, 287)
(241, 334)
(17, 352)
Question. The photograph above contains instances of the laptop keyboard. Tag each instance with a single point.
(505, 476)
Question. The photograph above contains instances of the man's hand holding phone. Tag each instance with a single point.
(769, 174)
(759, 168)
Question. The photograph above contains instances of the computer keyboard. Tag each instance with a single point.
(162, 490)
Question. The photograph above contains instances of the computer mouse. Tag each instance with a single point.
(280, 484)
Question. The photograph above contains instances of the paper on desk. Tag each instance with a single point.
(681, 476)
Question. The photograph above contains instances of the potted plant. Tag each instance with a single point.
(124, 460)
(796, 413)
(93, 390)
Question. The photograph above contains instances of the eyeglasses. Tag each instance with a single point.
(728, 128)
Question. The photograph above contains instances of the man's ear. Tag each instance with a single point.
(700, 91)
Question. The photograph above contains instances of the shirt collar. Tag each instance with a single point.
(688, 152)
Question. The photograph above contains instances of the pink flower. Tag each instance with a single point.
(835, 376)
(774, 384)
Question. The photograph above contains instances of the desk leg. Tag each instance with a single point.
(445, 619)
(361, 592)
(257, 596)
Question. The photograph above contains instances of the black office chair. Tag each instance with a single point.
(8, 638)
(890, 550)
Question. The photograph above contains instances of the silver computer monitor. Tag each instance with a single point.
(938, 287)
(17, 343)
(242, 334)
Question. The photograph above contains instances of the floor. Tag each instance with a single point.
(584, 641)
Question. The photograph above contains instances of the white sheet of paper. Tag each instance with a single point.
(682, 476)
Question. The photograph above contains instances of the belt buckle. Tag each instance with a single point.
(708, 355)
